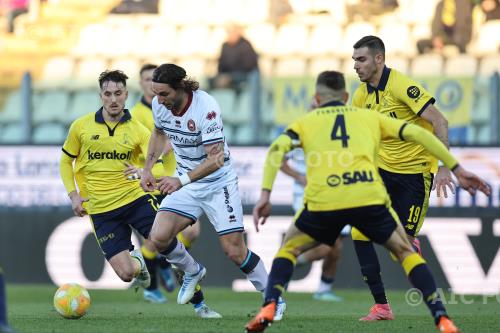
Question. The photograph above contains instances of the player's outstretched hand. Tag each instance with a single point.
(471, 182)
(443, 179)
(148, 181)
(168, 185)
(77, 204)
(262, 210)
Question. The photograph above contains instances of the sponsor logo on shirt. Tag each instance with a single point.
(211, 115)
(109, 155)
(94, 137)
(350, 177)
(191, 125)
(413, 92)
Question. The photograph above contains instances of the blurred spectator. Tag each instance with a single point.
(279, 10)
(12, 9)
(451, 25)
(136, 6)
(368, 8)
(491, 9)
(237, 61)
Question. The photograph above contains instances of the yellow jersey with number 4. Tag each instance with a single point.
(341, 145)
(399, 97)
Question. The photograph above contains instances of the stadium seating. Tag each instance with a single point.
(57, 72)
(52, 107)
(324, 40)
(461, 65)
(13, 133)
(51, 133)
(490, 65)
(315, 38)
(83, 102)
(427, 65)
(12, 109)
(291, 67)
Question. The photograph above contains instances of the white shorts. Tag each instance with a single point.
(221, 205)
(298, 203)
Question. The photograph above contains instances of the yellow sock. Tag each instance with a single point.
(410, 262)
(148, 254)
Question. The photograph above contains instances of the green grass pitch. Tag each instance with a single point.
(30, 310)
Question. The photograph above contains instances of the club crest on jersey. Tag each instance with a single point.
(191, 125)
(211, 115)
(178, 123)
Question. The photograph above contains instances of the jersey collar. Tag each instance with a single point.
(99, 118)
(188, 104)
(332, 103)
(383, 81)
(145, 103)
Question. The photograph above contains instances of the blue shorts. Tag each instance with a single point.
(113, 229)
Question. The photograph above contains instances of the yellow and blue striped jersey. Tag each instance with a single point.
(399, 97)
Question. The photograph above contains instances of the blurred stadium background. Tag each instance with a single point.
(48, 77)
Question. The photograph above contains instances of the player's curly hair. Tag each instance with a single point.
(175, 76)
(113, 76)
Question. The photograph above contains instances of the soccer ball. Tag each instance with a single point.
(72, 300)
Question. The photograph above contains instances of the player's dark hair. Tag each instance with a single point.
(147, 67)
(175, 76)
(113, 76)
(373, 43)
(331, 79)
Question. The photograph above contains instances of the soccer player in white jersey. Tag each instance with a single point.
(206, 182)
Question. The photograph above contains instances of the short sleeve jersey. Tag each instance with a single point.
(199, 124)
(399, 97)
(341, 144)
(101, 151)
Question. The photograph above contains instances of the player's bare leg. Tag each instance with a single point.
(129, 265)
(163, 235)
(328, 272)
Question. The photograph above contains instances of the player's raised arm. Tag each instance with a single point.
(408, 132)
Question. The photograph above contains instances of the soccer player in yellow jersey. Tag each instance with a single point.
(143, 113)
(101, 143)
(405, 167)
(344, 186)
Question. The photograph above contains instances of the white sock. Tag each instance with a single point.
(181, 258)
(324, 286)
(258, 277)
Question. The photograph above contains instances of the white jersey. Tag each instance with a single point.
(199, 124)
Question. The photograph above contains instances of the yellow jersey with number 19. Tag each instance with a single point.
(399, 97)
(101, 151)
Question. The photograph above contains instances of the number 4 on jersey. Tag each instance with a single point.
(339, 132)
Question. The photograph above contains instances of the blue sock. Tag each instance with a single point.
(370, 268)
(421, 278)
(281, 273)
(3, 305)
